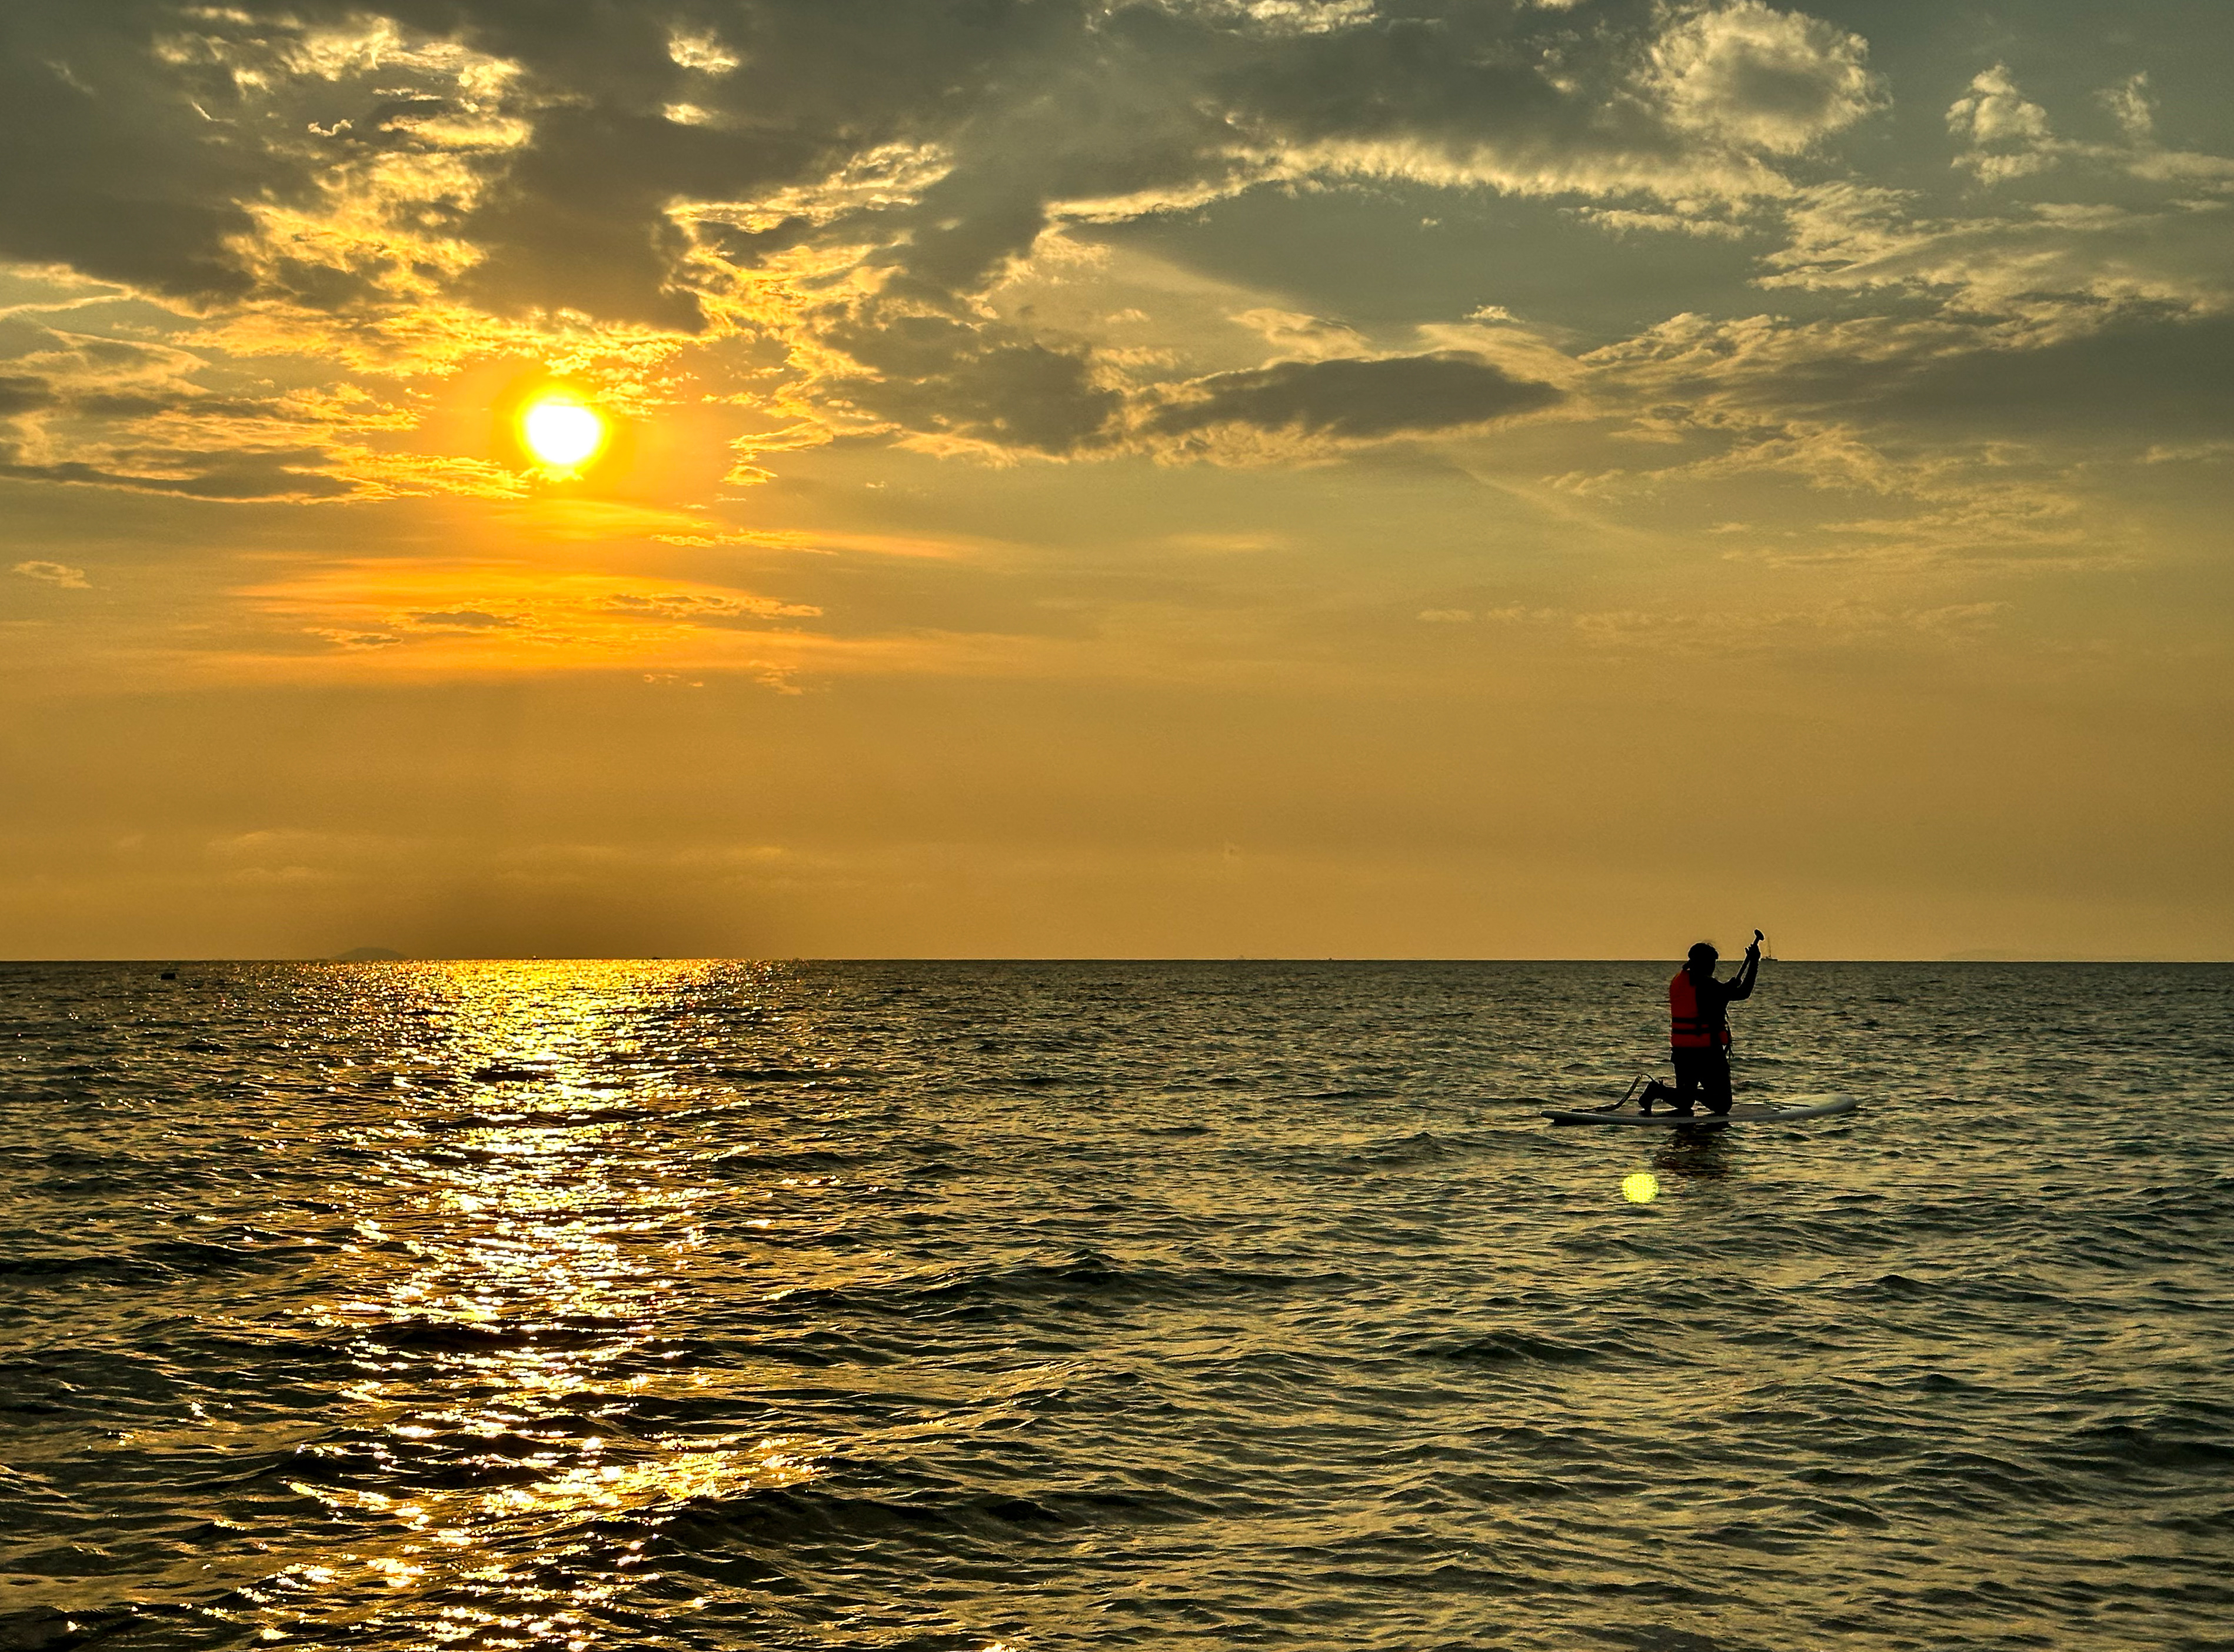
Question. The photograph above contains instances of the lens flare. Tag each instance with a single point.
(561, 433)
(1642, 1188)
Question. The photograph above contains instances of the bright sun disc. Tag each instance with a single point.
(561, 434)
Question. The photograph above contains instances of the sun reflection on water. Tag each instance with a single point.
(521, 1232)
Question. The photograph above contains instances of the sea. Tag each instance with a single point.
(1047, 1307)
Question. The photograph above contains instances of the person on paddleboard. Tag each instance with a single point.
(1699, 1030)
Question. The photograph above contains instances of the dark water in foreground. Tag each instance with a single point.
(1050, 1307)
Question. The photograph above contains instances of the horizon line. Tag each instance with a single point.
(387, 956)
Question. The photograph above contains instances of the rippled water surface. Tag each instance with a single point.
(1059, 1306)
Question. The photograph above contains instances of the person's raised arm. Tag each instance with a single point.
(1742, 987)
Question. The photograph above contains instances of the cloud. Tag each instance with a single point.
(2044, 272)
(1749, 74)
(1353, 399)
(465, 619)
(53, 573)
(1625, 221)
(2189, 453)
(2007, 136)
(22, 394)
(288, 475)
(416, 185)
(690, 608)
(413, 614)
(139, 415)
(814, 208)
(1309, 338)
(978, 382)
(1720, 633)
(1919, 441)
(120, 167)
(2129, 105)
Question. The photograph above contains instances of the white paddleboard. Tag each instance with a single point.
(1744, 1112)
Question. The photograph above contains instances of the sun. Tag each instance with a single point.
(563, 433)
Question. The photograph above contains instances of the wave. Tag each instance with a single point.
(1268, 1325)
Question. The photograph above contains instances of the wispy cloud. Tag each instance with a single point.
(53, 573)
(498, 616)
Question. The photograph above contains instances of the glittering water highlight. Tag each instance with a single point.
(1055, 1306)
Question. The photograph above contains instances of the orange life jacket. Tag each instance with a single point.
(1687, 1028)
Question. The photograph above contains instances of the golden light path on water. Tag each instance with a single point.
(519, 1239)
(532, 1197)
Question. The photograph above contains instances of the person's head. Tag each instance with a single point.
(1703, 958)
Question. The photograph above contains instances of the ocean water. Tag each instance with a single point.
(1062, 1306)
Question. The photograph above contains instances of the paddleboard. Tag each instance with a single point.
(1744, 1112)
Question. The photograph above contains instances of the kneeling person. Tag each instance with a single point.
(1699, 1030)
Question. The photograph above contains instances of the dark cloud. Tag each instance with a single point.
(19, 394)
(580, 219)
(149, 127)
(981, 382)
(2129, 384)
(121, 164)
(579, 216)
(603, 158)
(465, 619)
(295, 475)
(1356, 398)
(2166, 380)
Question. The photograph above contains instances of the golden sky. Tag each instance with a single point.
(1444, 478)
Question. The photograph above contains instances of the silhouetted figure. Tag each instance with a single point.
(1699, 1030)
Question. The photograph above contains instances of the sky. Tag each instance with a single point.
(1117, 477)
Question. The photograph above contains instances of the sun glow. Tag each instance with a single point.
(561, 433)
